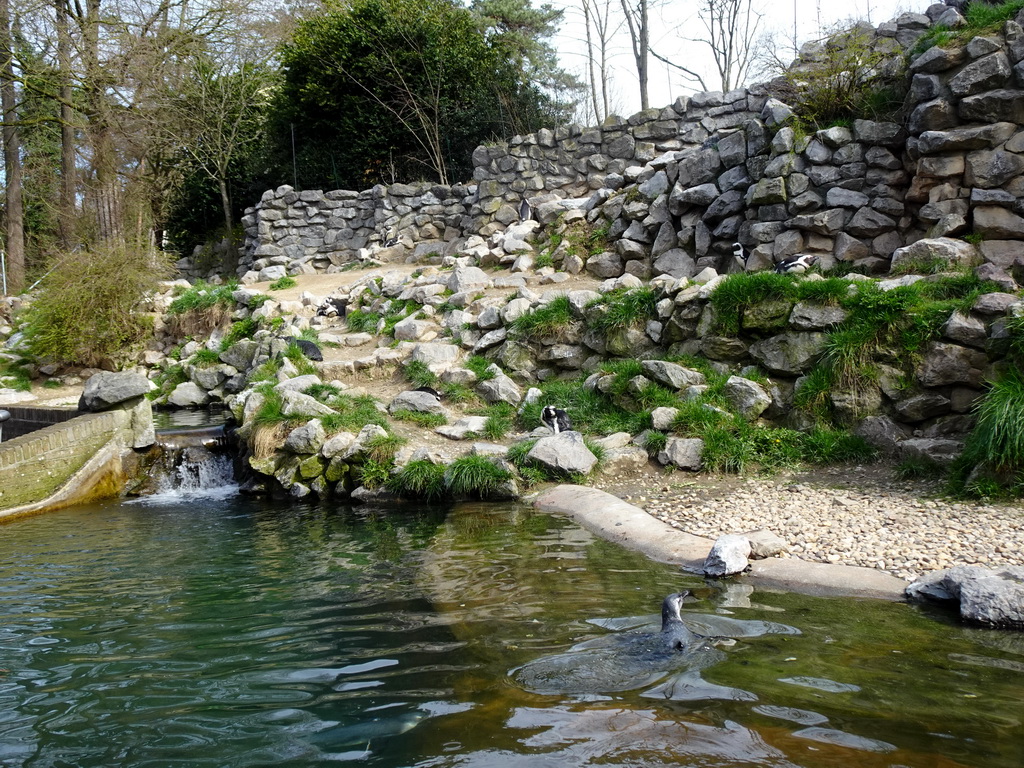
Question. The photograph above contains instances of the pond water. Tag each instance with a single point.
(222, 631)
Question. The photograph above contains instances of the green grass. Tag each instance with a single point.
(425, 420)
(373, 473)
(52, 384)
(322, 392)
(622, 309)
(654, 442)
(457, 393)
(500, 419)
(547, 320)
(917, 469)
(17, 377)
(204, 358)
(243, 329)
(920, 266)
(479, 365)
(353, 413)
(420, 374)
(282, 283)
(591, 412)
(419, 480)
(361, 321)
(830, 291)
(202, 295)
(746, 289)
(272, 409)
(980, 18)
(475, 476)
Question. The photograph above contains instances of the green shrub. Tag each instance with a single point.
(374, 473)
(546, 320)
(830, 446)
(852, 78)
(322, 392)
(476, 476)
(654, 442)
(88, 309)
(419, 480)
(920, 266)
(282, 283)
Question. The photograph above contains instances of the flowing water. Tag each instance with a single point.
(197, 631)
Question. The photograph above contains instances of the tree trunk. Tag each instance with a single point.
(15, 213)
(640, 38)
(66, 200)
(225, 201)
(106, 195)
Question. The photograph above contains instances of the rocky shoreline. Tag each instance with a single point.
(858, 516)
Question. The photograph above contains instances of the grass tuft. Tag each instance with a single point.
(547, 320)
(475, 476)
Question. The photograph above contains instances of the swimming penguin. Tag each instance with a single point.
(673, 631)
(555, 419)
(795, 264)
(525, 210)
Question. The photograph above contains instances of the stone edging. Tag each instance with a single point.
(622, 523)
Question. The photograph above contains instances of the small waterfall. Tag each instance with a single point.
(190, 463)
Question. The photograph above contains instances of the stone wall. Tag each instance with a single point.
(675, 187)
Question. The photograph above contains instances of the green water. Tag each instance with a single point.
(227, 632)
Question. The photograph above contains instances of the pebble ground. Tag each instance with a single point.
(850, 515)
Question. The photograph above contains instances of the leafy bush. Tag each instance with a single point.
(852, 77)
(87, 312)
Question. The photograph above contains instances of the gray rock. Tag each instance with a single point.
(954, 252)
(998, 223)
(728, 556)
(412, 329)
(298, 383)
(683, 452)
(337, 444)
(366, 436)
(463, 428)
(964, 139)
(188, 395)
(789, 353)
(298, 405)
(764, 543)
(671, 375)
(931, 449)
(746, 397)
(921, 406)
(986, 73)
(881, 432)
(309, 438)
(675, 262)
(966, 329)
(418, 402)
(437, 357)
(564, 452)
(814, 317)
(468, 279)
(106, 389)
(990, 597)
(662, 418)
(240, 354)
(605, 264)
(500, 389)
(945, 364)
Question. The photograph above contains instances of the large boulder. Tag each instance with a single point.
(500, 388)
(728, 556)
(991, 597)
(188, 395)
(418, 402)
(106, 389)
(683, 452)
(953, 252)
(789, 354)
(564, 452)
(746, 397)
(309, 438)
(671, 375)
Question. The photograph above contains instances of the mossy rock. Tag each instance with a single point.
(265, 466)
(336, 470)
(767, 315)
(311, 467)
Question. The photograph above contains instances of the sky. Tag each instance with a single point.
(673, 20)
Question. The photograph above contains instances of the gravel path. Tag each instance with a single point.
(853, 516)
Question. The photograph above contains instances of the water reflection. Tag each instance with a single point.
(241, 633)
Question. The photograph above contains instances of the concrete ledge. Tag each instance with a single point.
(613, 519)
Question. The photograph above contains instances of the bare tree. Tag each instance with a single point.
(638, 23)
(732, 32)
(14, 207)
(597, 19)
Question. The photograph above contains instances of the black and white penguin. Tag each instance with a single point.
(795, 265)
(555, 419)
(332, 308)
(390, 238)
(673, 631)
(309, 349)
(525, 210)
(740, 255)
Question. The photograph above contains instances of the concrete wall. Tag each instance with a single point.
(35, 468)
(25, 419)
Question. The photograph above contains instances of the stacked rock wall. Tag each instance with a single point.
(675, 188)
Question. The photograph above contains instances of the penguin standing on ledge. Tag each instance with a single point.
(739, 253)
(555, 419)
(525, 210)
(795, 265)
